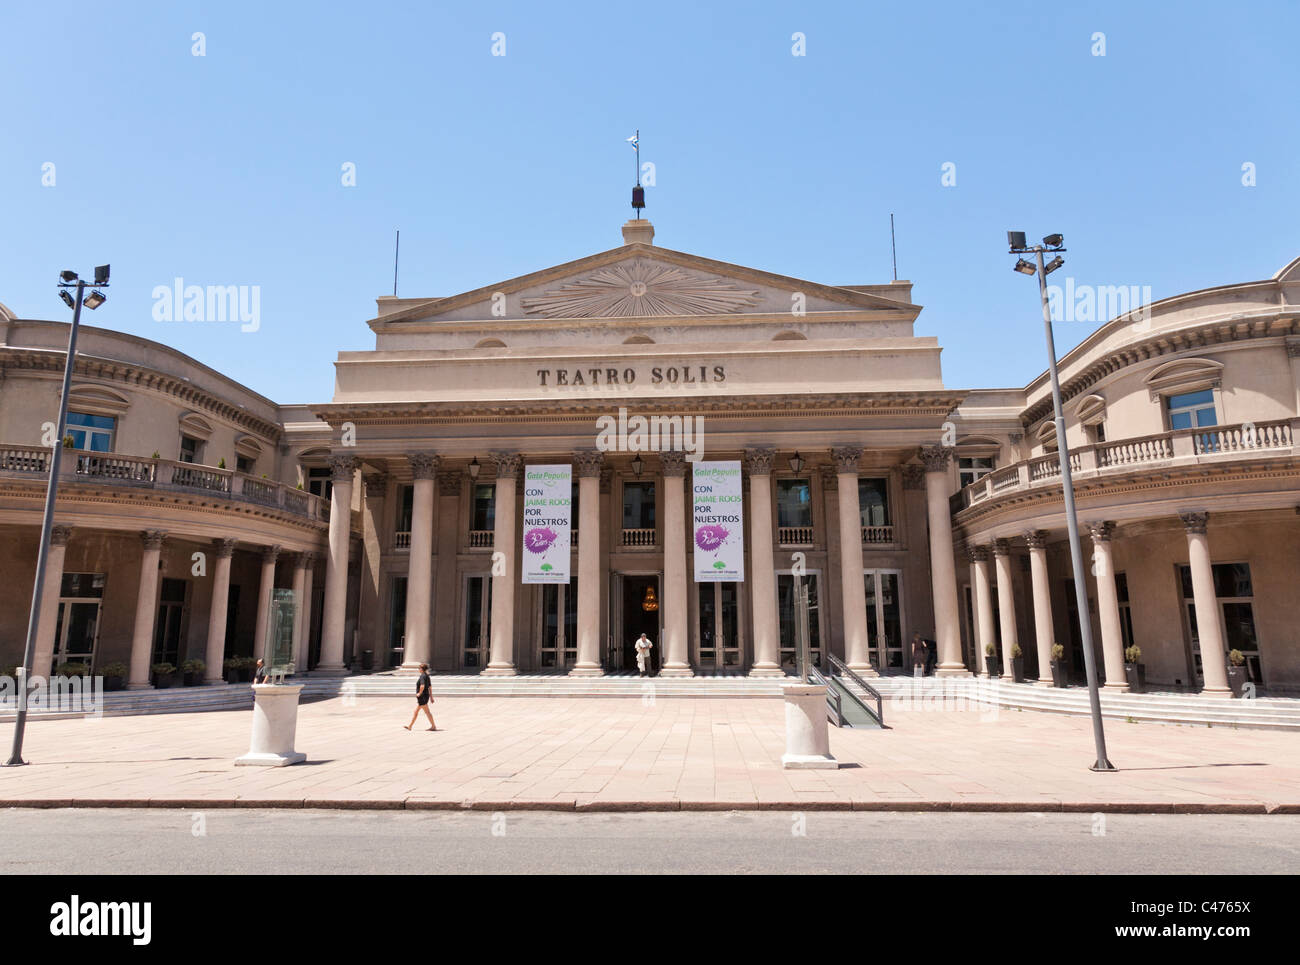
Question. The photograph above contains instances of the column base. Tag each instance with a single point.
(1214, 692)
(766, 670)
(683, 670)
(212, 682)
(951, 670)
(139, 687)
(499, 670)
(586, 670)
(1045, 682)
(864, 669)
(1121, 688)
(410, 669)
(339, 671)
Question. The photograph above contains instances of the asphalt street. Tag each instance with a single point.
(250, 841)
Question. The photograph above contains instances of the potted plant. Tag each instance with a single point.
(1236, 672)
(163, 675)
(1059, 676)
(155, 455)
(991, 660)
(246, 665)
(69, 442)
(114, 675)
(1134, 670)
(193, 671)
(221, 463)
(230, 669)
(1018, 664)
(73, 668)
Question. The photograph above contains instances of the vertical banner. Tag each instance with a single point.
(548, 495)
(719, 522)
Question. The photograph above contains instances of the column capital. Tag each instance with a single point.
(342, 466)
(846, 459)
(153, 538)
(375, 485)
(424, 464)
(224, 548)
(271, 553)
(1002, 547)
(1035, 539)
(1195, 523)
(936, 458)
(506, 463)
(913, 476)
(758, 461)
(977, 553)
(1101, 530)
(307, 561)
(449, 482)
(59, 535)
(589, 463)
(672, 464)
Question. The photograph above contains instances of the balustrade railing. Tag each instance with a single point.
(794, 535)
(877, 534)
(480, 539)
(639, 537)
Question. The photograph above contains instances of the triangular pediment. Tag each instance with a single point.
(643, 281)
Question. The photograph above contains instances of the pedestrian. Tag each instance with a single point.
(931, 656)
(259, 673)
(918, 655)
(423, 698)
(643, 647)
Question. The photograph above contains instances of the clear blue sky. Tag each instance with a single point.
(225, 169)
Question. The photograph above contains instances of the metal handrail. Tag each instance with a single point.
(839, 665)
(834, 701)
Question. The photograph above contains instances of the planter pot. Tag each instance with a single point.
(994, 666)
(193, 679)
(232, 676)
(163, 681)
(113, 683)
(1060, 677)
(1237, 680)
(367, 660)
(1018, 669)
(1136, 673)
(245, 675)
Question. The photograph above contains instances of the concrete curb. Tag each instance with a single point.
(573, 805)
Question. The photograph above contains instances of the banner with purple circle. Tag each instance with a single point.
(719, 522)
(548, 498)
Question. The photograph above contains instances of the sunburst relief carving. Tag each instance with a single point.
(641, 288)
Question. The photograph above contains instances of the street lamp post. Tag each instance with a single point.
(67, 279)
(1055, 243)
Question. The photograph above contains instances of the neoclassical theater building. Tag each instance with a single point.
(381, 529)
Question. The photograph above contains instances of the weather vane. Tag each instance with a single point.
(638, 192)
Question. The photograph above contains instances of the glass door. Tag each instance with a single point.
(884, 618)
(717, 643)
(476, 642)
(786, 619)
(557, 621)
(169, 628)
(397, 623)
(77, 629)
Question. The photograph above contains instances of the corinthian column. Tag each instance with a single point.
(1112, 638)
(43, 660)
(857, 643)
(983, 606)
(505, 552)
(943, 571)
(419, 579)
(1006, 604)
(676, 641)
(223, 550)
(1209, 628)
(146, 610)
(334, 618)
(265, 589)
(1036, 540)
(589, 464)
(767, 639)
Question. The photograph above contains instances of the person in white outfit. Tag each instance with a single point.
(643, 647)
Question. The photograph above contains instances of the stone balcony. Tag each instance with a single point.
(1183, 449)
(133, 473)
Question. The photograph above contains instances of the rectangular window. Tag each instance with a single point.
(189, 449)
(793, 502)
(93, 433)
(405, 504)
(873, 501)
(320, 483)
(638, 505)
(243, 464)
(1234, 592)
(1192, 410)
(1125, 610)
(973, 468)
(484, 514)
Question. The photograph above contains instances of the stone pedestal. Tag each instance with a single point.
(807, 730)
(275, 721)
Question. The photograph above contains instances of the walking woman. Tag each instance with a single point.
(422, 698)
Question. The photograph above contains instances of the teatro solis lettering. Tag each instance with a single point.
(671, 374)
(75, 918)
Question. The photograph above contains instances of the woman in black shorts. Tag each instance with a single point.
(423, 698)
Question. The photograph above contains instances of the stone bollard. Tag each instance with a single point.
(275, 721)
(807, 733)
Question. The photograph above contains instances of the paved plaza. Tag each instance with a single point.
(670, 753)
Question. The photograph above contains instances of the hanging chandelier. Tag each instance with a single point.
(649, 604)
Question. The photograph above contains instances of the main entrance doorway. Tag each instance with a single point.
(557, 625)
(638, 599)
(476, 635)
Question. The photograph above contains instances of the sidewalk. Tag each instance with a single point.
(620, 754)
